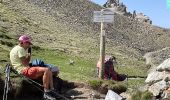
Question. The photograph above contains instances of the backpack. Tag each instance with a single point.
(41, 63)
(109, 72)
(38, 62)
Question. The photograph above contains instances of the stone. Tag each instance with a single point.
(157, 88)
(111, 95)
(166, 94)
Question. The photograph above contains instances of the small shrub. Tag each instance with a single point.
(95, 84)
(4, 36)
(137, 95)
(147, 95)
(142, 95)
(9, 44)
(118, 88)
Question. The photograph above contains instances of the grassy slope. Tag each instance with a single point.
(63, 42)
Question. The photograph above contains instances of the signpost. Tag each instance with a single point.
(103, 16)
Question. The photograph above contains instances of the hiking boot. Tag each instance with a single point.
(49, 96)
(56, 91)
(55, 94)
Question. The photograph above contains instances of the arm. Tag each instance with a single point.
(24, 57)
(25, 60)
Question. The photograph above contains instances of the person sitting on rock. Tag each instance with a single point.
(20, 58)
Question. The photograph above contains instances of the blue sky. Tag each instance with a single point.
(157, 10)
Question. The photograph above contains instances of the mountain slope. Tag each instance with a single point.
(66, 25)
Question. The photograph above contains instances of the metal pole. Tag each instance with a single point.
(102, 50)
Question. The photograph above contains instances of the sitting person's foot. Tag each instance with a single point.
(57, 91)
(55, 94)
(49, 96)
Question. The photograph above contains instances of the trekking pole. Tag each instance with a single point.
(7, 80)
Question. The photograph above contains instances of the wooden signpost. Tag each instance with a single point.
(102, 16)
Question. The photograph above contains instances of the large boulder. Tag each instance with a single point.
(165, 66)
(157, 88)
(153, 59)
(158, 80)
(154, 77)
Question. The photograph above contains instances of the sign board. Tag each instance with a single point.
(103, 16)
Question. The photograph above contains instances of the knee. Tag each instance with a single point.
(47, 69)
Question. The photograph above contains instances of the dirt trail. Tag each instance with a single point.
(82, 93)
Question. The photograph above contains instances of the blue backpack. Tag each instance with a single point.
(38, 62)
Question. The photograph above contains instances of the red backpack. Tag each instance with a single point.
(109, 71)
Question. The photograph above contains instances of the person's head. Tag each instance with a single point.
(111, 58)
(25, 41)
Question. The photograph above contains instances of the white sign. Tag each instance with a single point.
(103, 16)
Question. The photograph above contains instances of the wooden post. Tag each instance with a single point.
(105, 15)
(102, 50)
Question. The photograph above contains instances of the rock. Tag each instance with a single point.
(166, 94)
(154, 77)
(157, 88)
(111, 95)
(165, 66)
(126, 95)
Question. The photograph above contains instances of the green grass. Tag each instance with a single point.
(82, 69)
(30, 19)
(104, 85)
(133, 71)
(95, 84)
(134, 83)
(138, 95)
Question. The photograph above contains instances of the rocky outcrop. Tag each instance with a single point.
(141, 17)
(158, 81)
(122, 9)
(153, 59)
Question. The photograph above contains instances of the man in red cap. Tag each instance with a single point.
(20, 59)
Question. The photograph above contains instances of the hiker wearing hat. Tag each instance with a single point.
(20, 58)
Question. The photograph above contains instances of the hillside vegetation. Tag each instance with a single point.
(63, 31)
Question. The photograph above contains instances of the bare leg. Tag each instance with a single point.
(51, 80)
(46, 79)
(45, 73)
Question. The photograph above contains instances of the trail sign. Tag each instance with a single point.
(103, 16)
